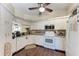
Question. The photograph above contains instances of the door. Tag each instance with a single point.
(59, 43)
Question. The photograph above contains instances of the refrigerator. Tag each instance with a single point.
(72, 37)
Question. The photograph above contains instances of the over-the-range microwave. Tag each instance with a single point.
(49, 27)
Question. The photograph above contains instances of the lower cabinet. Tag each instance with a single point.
(21, 42)
(30, 39)
(39, 40)
(18, 43)
(59, 43)
(14, 45)
(35, 39)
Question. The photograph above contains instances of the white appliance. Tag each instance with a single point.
(53, 42)
(49, 39)
(72, 42)
(49, 42)
(59, 43)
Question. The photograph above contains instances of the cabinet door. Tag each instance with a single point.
(18, 43)
(14, 45)
(59, 43)
(30, 39)
(21, 42)
(39, 40)
(23, 39)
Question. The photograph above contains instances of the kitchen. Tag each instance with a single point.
(49, 35)
(22, 28)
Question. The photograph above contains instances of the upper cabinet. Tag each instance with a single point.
(59, 23)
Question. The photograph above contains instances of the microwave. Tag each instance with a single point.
(49, 27)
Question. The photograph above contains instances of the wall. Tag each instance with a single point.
(1, 36)
(6, 18)
(20, 42)
(23, 24)
(5, 26)
(60, 23)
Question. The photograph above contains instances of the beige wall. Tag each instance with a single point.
(1, 36)
(5, 26)
(6, 18)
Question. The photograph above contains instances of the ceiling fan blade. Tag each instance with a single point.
(46, 4)
(49, 10)
(40, 13)
(33, 8)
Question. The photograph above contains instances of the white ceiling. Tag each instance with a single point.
(59, 9)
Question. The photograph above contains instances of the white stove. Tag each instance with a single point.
(49, 39)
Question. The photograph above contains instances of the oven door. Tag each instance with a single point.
(49, 42)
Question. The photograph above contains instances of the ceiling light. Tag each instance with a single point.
(41, 9)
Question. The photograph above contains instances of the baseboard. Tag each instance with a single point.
(51, 49)
(60, 51)
(39, 45)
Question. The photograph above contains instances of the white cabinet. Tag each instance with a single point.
(59, 43)
(39, 40)
(18, 43)
(59, 23)
(14, 45)
(21, 42)
(37, 27)
(35, 39)
(30, 39)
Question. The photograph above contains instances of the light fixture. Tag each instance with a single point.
(41, 9)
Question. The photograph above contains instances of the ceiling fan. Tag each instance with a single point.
(41, 7)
